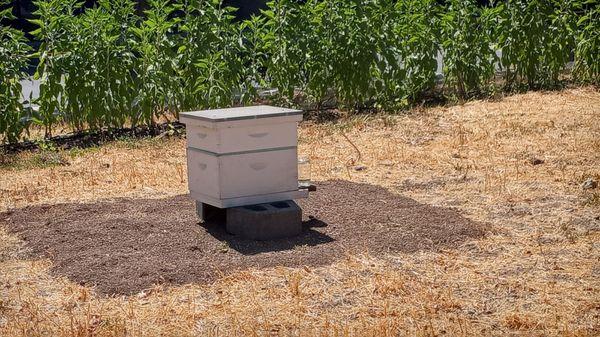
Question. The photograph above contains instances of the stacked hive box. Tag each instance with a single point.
(243, 156)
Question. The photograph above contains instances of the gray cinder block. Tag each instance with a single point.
(268, 221)
(207, 212)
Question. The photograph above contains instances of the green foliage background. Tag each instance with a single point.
(110, 66)
(13, 60)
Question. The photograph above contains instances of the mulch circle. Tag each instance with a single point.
(127, 245)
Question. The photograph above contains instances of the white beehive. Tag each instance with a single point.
(243, 156)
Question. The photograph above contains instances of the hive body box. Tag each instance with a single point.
(243, 156)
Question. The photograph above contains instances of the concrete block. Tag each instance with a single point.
(270, 221)
(208, 212)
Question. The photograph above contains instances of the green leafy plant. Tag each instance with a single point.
(107, 66)
(98, 84)
(367, 54)
(210, 53)
(53, 19)
(587, 51)
(254, 54)
(285, 41)
(360, 45)
(156, 71)
(87, 64)
(535, 39)
(13, 60)
(415, 39)
(467, 47)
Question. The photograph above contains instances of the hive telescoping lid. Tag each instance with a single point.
(240, 113)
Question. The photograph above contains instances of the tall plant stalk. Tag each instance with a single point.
(587, 63)
(13, 61)
(467, 47)
(535, 39)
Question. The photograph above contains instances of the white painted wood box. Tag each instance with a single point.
(243, 156)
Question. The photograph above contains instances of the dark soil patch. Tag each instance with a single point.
(127, 245)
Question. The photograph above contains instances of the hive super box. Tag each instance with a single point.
(243, 156)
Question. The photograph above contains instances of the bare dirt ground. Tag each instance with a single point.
(516, 165)
(128, 245)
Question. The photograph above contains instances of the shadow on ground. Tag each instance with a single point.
(127, 245)
(308, 238)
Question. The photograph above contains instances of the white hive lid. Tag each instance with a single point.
(240, 113)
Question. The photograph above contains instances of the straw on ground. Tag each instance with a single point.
(517, 164)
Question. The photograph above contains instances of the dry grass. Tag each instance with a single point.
(537, 273)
